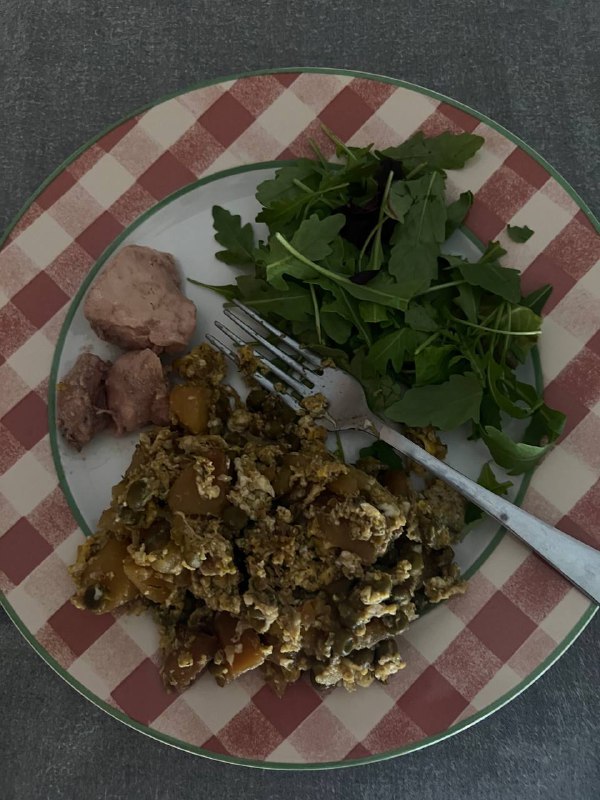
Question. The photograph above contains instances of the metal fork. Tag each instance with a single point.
(347, 409)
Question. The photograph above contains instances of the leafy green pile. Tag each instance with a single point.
(355, 267)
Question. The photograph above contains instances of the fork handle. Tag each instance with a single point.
(578, 562)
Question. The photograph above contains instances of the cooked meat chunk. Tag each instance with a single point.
(137, 392)
(81, 400)
(137, 303)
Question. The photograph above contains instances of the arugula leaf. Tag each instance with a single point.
(336, 327)
(505, 389)
(457, 211)
(446, 151)
(314, 236)
(312, 240)
(446, 405)
(383, 289)
(432, 364)
(519, 234)
(228, 291)
(283, 186)
(488, 480)
(521, 320)
(296, 192)
(426, 218)
(343, 257)
(414, 264)
(381, 390)
(346, 307)
(517, 458)
(502, 281)
(399, 200)
(373, 312)
(420, 318)
(489, 413)
(394, 347)
(537, 299)
(492, 253)
(384, 453)
(293, 303)
(468, 301)
(338, 281)
(283, 258)
(545, 427)
(237, 239)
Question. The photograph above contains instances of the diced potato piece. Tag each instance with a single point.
(345, 485)
(338, 534)
(243, 653)
(151, 584)
(251, 656)
(225, 627)
(190, 406)
(183, 665)
(185, 497)
(104, 584)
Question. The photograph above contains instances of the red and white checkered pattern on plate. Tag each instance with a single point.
(463, 656)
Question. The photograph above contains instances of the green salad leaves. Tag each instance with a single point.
(355, 266)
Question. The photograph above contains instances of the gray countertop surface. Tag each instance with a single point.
(68, 68)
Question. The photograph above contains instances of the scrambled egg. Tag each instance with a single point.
(255, 547)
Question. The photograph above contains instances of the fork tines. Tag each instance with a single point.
(299, 379)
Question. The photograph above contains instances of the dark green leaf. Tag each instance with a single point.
(314, 236)
(414, 264)
(336, 327)
(228, 291)
(237, 239)
(504, 282)
(293, 303)
(421, 318)
(521, 319)
(516, 457)
(446, 151)
(394, 347)
(505, 391)
(519, 234)
(545, 426)
(492, 253)
(490, 413)
(488, 480)
(382, 452)
(283, 187)
(383, 290)
(312, 239)
(343, 257)
(468, 301)
(426, 218)
(373, 312)
(399, 200)
(445, 406)
(457, 211)
(381, 389)
(347, 308)
(537, 299)
(432, 364)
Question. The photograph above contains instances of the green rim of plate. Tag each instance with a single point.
(508, 696)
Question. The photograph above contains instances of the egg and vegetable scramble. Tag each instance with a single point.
(254, 547)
